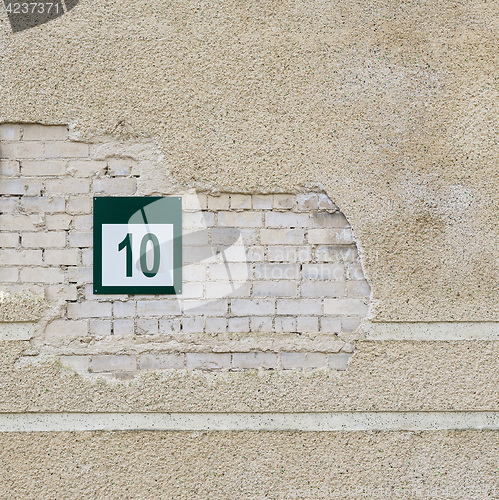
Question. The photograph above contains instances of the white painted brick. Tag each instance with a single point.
(307, 324)
(43, 204)
(54, 293)
(245, 307)
(115, 186)
(277, 271)
(286, 288)
(282, 236)
(10, 132)
(307, 202)
(42, 167)
(79, 274)
(348, 347)
(355, 272)
(9, 274)
(147, 326)
(147, 308)
(79, 364)
(120, 167)
(299, 360)
(66, 150)
(162, 361)
(66, 328)
(208, 361)
(79, 205)
(83, 222)
(193, 255)
(100, 327)
(192, 325)
(205, 307)
(250, 237)
(9, 168)
(322, 289)
(12, 186)
(286, 219)
(194, 272)
(50, 239)
(240, 201)
(298, 306)
(329, 220)
(253, 254)
(36, 132)
(349, 325)
(33, 187)
(198, 220)
(240, 219)
(331, 272)
(215, 325)
(238, 271)
(339, 361)
(124, 327)
(169, 326)
(192, 291)
(285, 324)
(81, 240)
(345, 307)
(225, 236)
(21, 150)
(9, 203)
(21, 257)
(356, 289)
(9, 240)
(66, 257)
(332, 236)
(325, 203)
(89, 310)
(110, 362)
(334, 253)
(87, 256)
(86, 168)
(219, 202)
(239, 325)
(261, 324)
(124, 309)
(286, 253)
(254, 360)
(196, 238)
(284, 201)
(262, 202)
(42, 275)
(194, 202)
(219, 289)
(68, 186)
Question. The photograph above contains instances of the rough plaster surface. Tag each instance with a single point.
(277, 465)
(21, 307)
(382, 376)
(391, 107)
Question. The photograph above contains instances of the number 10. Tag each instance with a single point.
(127, 243)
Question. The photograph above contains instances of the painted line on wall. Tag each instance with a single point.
(437, 331)
(337, 421)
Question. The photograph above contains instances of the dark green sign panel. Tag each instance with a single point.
(137, 245)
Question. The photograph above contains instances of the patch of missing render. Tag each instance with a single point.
(21, 307)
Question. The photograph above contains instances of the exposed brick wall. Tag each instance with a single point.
(269, 281)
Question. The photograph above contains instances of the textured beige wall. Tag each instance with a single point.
(391, 107)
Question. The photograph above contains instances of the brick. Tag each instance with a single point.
(33, 187)
(325, 203)
(55, 293)
(9, 240)
(238, 325)
(286, 253)
(10, 132)
(68, 186)
(9, 203)
(322, 289)
(333, 253)
(157, 307)
(21, 257)
(339, 361)
(286, 219)
(194, 201)
(192, 325)
(284, 288)
(194, 272)
(261, 324)
(205, 307)
(262, 202)
(21, 150)
(43, 204)
(330, 236)
(349, 325)
(79, 205)
(225, 236)
(100, 327)
(169, 326)
(147, 326)
(42, 167)
(66, 328)
(277, 271)
(355, 272)
(215, 325)
(196, 238)
(9, 168)
(79, 274)
(198, 220)
(219, 289)
(239, 253)
(298, 306)
(109, 362)
(35, 132)
(221, 202)
(193, 255)
(357, 289)
(307, 202)
(83, 222)
(57, 221)
(245, 307)
(162, 361)
(192, 291)
(42, 275)
(87, 256)
(330, 272)
(300, 360)
(253, 254)
(9, 274)
(89, 310)
(285, 324)
(66, 257)
(124, 327)
(254, 360)
(86, 168)
(240, 219)
(120, 167)
(124, 309)
(345, 307)
(282, 236)
(79, 364)
(12, 186)
(66, 150)
(307, 324)
(284, 201)
(115, 186)
(240, 201)
(81, 240)
(208, 361)
(238, 271)
(50, 239)
(327, 219)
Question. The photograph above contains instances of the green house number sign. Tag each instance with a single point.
(137, 245)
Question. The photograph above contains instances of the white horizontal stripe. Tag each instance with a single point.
(16, 331)
(486, 330)
(338, 421)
